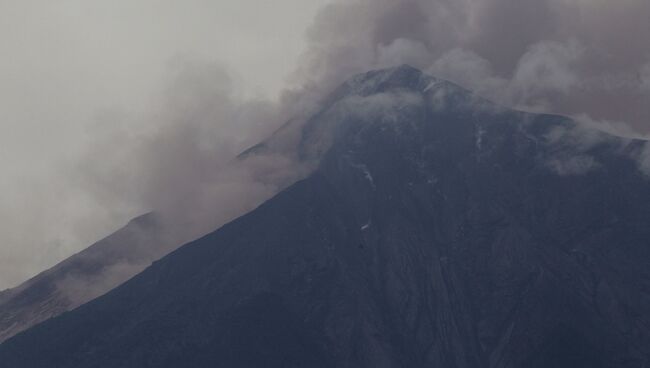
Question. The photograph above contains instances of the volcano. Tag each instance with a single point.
(438, 230)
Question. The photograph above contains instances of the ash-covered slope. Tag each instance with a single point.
(84, 276)
(438, 231)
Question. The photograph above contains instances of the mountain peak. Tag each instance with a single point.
(381, 80)
(393, 98)
(403, 71)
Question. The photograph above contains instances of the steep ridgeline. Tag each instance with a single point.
(84, 276)
(438, 231)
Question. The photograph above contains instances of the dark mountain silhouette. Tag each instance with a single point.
(439, 230)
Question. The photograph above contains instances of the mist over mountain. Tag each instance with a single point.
(125, 253)
(438, 229)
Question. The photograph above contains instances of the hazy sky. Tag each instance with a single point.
(71, 68)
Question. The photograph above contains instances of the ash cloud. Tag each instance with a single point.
(184, 165)
(572, 57)
(178, 159)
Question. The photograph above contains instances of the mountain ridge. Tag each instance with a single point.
(82, 276)
(432, 232)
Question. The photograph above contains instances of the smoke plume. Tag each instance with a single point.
(584, 58)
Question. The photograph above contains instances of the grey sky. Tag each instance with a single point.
(74, 69)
